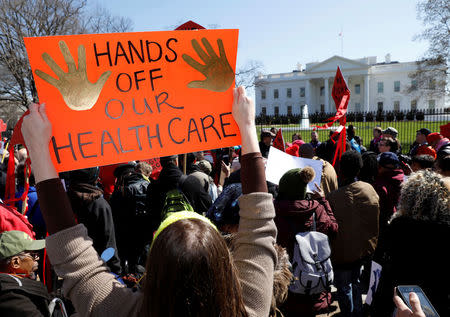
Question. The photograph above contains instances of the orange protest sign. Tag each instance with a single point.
(129, 96)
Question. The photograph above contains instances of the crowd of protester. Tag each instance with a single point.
(207, 235)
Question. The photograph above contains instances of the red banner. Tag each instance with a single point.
(278, 141)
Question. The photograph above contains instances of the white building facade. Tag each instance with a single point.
(373, 86)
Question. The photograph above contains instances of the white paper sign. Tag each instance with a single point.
(375, 273)
(279, 163)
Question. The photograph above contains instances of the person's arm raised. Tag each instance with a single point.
(252, 165)
(54, 203)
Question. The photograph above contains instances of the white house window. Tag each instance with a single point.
(322, 90)
(413, 84)
(413, 105)
(289, 92)
(322, 108)
(357, 106)
(380, 106)
(431, 104)
(380, 87)
(432, 84)
(289, 110)
(264, 110)
(263, 94)
(302, 92)
(397, 86)
(275, 93)
(276, 110)
(396, 105)
(357, 89)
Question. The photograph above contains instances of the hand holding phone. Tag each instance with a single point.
(412, 301)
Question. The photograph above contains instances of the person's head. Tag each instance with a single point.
(351, 132)
(167, 160)
(434, 138)
(421, 162)
(224, 212)
(421, 135)
(388, 160)
(22, 154)
(376, 132)
(266, 137)
(350, 165)
(296, 136)
(425, 196)
(306, 151)
(190, 271)
(369, 169)
(84, 176)
(204, 166)
(20, 175)
(293, 183)
(144, 168)
(18, 253)
(314, 136)
(442, 163)
(390, 132)
(387, 144)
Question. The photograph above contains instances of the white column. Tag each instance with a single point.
(327, 95)
(308, 93)
(366, 92)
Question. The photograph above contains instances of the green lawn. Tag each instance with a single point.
(406, 130)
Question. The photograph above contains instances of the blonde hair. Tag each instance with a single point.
(425, 196)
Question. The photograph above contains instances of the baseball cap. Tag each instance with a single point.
(205, 166)
(432, 137)
(388, 158)
(13, 242)
(391, 131)
(424, 131)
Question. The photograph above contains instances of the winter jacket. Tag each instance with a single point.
(292, 217)
(356, 209)
(11, 219)
(415, 253)
(132, 220)
(387, 185)
(329, 181)
(92, 210)
(33, 213)
(22, 297)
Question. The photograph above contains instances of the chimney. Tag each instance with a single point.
(299, 67)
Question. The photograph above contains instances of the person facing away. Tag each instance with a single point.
(387, 185)
(356, 208)
(415, 244)
(20, 294)
(266, 142)
(190, 271)
(92, 210)
(294, 214)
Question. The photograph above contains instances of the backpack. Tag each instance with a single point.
(175, 200)
(311, 265)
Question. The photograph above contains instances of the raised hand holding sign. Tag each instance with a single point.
(76, 89)
(218, 72)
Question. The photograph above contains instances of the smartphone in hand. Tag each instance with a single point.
(403, 292)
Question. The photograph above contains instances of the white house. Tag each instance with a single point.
(373, 86)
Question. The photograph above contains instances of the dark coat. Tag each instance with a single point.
(415, 253)
(387, 185)
(92, 210)
(264, 149)
(292, 217)
(22, 297)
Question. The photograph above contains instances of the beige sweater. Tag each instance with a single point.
(95, 292)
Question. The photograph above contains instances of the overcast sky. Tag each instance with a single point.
(282, 33)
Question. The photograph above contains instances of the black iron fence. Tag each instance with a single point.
(405, 122)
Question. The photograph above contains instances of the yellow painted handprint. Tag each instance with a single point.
(218, 72)
(76, 89)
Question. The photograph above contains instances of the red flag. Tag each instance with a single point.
(2, 126)
(278, 142)
(341, 97)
